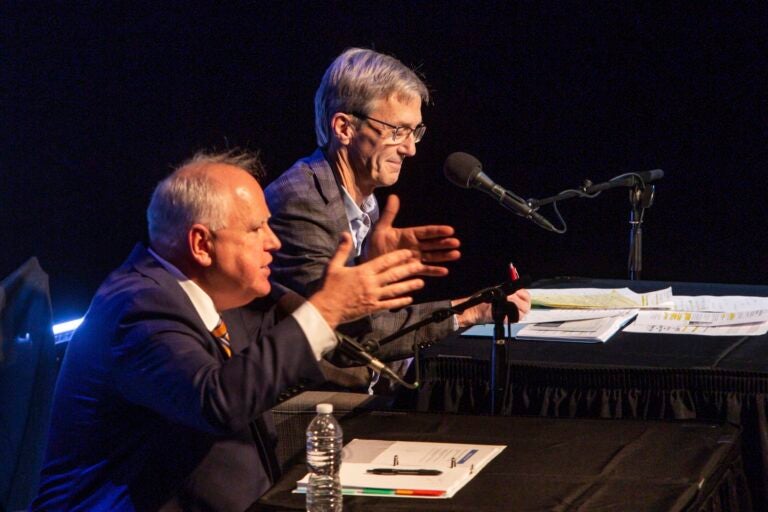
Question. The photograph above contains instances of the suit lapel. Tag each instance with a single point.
(147, 265)
(262, 428)
(329, 188)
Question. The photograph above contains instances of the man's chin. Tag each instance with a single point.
(391, 178)
(257, 292)
(263, 290)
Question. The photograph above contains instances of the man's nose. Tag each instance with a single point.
(272, 243)
(408, 146)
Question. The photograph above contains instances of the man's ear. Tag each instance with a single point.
(342, 127)
(200, 240)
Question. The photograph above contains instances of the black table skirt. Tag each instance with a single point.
(561, 464)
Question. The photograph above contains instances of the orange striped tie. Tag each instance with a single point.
(221, 334)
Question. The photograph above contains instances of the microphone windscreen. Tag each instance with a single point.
(461, 169)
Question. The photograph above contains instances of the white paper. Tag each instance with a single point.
(360, 455)
(658, 312)
(543, 315)
(757, 329)
(719, 303)
(599, 298)
(585, 331)
(680, 318)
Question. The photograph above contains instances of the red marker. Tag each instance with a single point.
(418, 492)
(513, 275)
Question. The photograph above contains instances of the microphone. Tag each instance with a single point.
(466, 171)
(357, 352)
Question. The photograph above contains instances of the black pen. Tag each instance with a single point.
(412, 472)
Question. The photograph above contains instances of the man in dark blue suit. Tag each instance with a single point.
(163, 398)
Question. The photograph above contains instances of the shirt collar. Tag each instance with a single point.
(359, 218)
(200, 300)
(353, 210)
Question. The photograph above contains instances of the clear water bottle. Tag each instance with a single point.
(324, 444)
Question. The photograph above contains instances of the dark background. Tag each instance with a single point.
(100, 99)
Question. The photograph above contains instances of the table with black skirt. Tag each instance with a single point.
(559, 464)
(638, 376)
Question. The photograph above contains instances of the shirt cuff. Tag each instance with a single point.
(455, 321)
(321, 337)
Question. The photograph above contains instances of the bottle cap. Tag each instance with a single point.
(324, 408)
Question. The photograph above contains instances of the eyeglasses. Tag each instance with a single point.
(399, 133)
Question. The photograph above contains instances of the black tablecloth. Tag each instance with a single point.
(559, 465)
(647, 376)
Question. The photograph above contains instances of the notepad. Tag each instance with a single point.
(458, 464)
(594, 330)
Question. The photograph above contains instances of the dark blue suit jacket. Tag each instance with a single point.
(147, 413)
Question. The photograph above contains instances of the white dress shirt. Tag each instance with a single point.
(321, 337)
(359, 217)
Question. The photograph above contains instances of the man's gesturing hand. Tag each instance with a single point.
(349, 293)
(433, 243)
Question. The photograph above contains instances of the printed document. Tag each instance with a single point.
(623, 298)
(456, 464)
(731, 303)
(585, 331)
(757, 329)
(707, 315)
(584, 325)
(595, 314)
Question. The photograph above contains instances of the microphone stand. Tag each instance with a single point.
(500, 309)
(497, 297)
(641, 197)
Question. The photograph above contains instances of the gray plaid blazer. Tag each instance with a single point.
(308, 216)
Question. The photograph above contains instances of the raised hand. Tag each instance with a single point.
(432, 244)
(349, 293)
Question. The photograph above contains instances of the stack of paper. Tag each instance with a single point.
(603, 298)
(593, 330)
(707, 316)
(595, 314)
(603, 313)
(367, 467)
(581, 325)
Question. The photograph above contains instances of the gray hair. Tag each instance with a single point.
(357, 78)
(184, 199)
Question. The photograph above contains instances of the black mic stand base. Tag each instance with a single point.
(640, 198)
(500, 310)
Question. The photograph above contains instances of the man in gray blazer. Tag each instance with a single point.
(367, 122)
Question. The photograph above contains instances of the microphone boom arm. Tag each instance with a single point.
(493, 294)
(590, 190)
(640, 197)
(484, 295)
